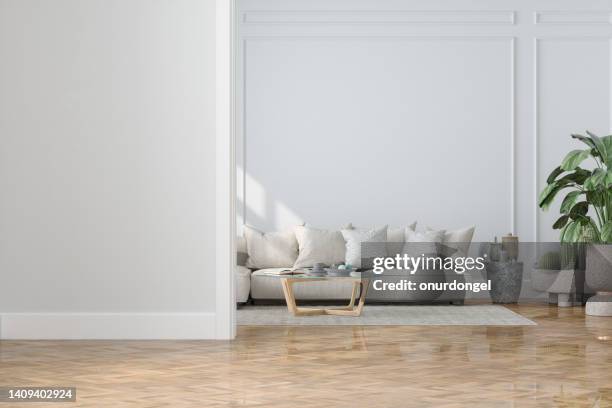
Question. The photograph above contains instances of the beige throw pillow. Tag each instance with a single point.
(318, 245)
(355, 237)
(425, 242)
(270, 250)
(396, 239)
(459, 239)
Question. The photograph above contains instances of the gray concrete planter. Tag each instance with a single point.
(599, 278)
(506, 281)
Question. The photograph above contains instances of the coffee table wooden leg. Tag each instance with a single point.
(292, 305)
(289, 298)
(353, 295)
(364, 291)
(351, 310)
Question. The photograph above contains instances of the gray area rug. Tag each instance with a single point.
(385, 315)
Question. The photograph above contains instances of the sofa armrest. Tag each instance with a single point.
(242, 276)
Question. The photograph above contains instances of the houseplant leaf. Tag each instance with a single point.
(554, 174)
(579, 210)
(608, 178)
(585, 139)
(560, 223)
(578, 176)
(573, 159)
(595, 197)
(596, 180)
(607, 141)
(568, 202)
(599, 146)
(606, 232)
(571, 232)
(548, 194)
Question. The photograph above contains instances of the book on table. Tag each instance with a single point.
(284, 271)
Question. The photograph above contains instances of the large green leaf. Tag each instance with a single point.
(569, 201)
(606, 232)
(550, 191)
(609, 178)
(607, 141)
(599, 145)
(584, 221)
(553, 175)
(596, 180)
(578, 210)
(595, 198)
(560, 223)
(574, 158)
(585, 139)
(571, 232)
(578, 176)
(548, 194)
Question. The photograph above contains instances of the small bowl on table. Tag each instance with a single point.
(338, 271)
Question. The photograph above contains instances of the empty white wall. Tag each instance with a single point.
(107, 174)
(449, 112)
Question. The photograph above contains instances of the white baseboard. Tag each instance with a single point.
(119, 326)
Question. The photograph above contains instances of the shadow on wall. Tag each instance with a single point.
(257, 206)
(262, 210)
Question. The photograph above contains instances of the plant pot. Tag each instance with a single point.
(506, 281)
(599, 279)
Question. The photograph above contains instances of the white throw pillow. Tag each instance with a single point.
(354, 238)
(424, 242)
(396, 239)
(459, 239)
(318, 245)
(270, 250)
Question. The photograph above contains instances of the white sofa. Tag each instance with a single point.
(257, 285)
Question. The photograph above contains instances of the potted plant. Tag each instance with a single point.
(586, 212)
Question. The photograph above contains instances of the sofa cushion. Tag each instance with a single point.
(270, 250)
(396, 239)
(355, 237)
(459, 239)
(319, 245)
(423, 242)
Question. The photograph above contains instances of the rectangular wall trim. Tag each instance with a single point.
(537, 42)
(119, 326)
(511, 132)
(573, 17)
(378, 17)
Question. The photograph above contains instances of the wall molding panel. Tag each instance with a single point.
(573, 17)
(507, 42)
(540, 173)
(377, 17)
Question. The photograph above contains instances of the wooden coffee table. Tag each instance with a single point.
(349, 310)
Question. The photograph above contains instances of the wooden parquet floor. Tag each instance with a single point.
(565, 361)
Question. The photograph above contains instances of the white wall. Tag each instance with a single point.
(449, 112)
(107, 173)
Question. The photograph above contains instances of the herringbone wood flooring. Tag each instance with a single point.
(565, 361)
